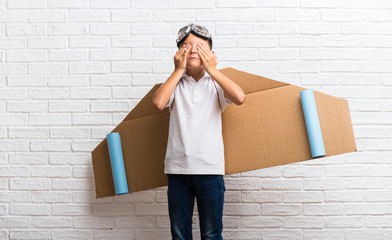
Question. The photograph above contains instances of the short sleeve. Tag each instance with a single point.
(224, 102)
(169, 104)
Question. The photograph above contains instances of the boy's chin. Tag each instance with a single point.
(194, 65)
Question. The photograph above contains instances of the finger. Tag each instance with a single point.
(206, 50)
(186, 50)
(201, 51)
(202, 56)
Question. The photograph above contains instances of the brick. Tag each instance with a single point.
(134, 66)
(113, 209)
(260, 196)
(88, 67)
(16, 16)
(24, 4)
(26, 81)
(364, 183)
(49, 119)
(47, 68)
(48, 94)
(150, 29)
(135, 222)
(365, 208)
(68, 106)
(13, 119)
(256, 222)
(259, 15)
(176, 15)
(51, 222)
(13, 69)
(15, 197)
(27, 158)
(50, 146)
(244, 184)
(51, 197)
(59, 209)
(65, 234)
(344, 196)
(29, 209)
(109, 29)
(26, 56)
(151, 209)
(47, 16)
(91, 118)
(14, 146)
(29, 235)
(14, 222)
(131, 16)
(108, 5)
(302, 197)
(55, 172)
(154, 4)
(69, 158)
(27, 107)
(344, 222)
(12, 43)
(67, 29)
(67, 55)
(47, 42)
(14, 171)
(119, 234)
(139, 92)
(71, 184)
(67, 81)
(323, 209)
(303, 222)
(135, 42)
(281, 184)
(83, 146)
(25, 30)
(322, 234)
(82, 172)
(319, 4)
(89, 42)
(106, 80)
(68, 4)
(108, 55)
(94, 222)
(89, 15)
(242, 209)
(113, 106)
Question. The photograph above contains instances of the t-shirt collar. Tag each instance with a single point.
(187, 77)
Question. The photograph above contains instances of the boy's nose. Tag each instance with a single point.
(193, 48)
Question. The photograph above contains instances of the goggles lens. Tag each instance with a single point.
(200, 29)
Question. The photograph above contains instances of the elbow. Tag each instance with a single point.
(157, 105)
(240, 100)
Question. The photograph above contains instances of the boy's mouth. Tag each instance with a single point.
(193, 58)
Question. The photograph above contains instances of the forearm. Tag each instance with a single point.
(162, 94)
(232, 90)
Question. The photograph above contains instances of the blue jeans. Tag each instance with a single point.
(209, 192)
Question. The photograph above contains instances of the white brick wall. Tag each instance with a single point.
(71, 70)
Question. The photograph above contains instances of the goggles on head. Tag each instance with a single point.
(199, 30)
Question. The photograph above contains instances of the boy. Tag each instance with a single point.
(196, 94)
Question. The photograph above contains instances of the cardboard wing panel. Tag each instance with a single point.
(267, 130)
(143, 141)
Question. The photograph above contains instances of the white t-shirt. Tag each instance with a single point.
(195, 143)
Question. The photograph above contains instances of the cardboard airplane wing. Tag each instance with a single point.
(268, 129)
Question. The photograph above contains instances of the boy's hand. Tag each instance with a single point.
(180, 57)
(208, 57)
